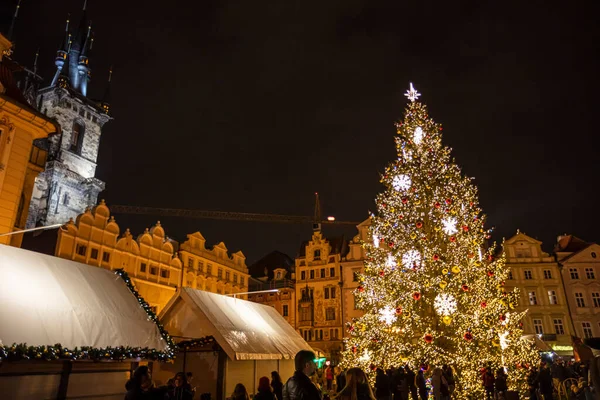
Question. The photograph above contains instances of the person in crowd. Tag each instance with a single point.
(399, 384)
(277, 385)
(180, 390)
(501, 384)
(340, 380)
(329, 377)
(240, 393)
(411, 382)
(299, 386)
(440, 385)
(382, 385)
(141, 387)
(421, 384)
(448, 373)
(531, 381)
(544, 381)
(264, 390)
(488, 382)
(357, 386)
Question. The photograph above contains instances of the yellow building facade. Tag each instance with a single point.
(538, 277)
(20, 125)
(153, 261)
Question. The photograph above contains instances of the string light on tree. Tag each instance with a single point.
(445, 305)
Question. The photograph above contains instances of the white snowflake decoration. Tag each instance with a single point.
(376, 240)
(411, 258)
(412, 94)
(449, 225)
(401, 182)
(365, 357)
(387, 315)
(418, 136)
(503, 337)
(444, 304)
(391, 261)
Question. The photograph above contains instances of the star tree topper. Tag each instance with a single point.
(412, 94)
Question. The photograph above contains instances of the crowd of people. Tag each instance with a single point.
(141, 387)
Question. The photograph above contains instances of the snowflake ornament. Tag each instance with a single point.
(444, 304)
(391, 261)
(387, 315)
(410, 258)
(418, 136)
(375, 241)
(401, 182)
(412, 94)
(450, 225)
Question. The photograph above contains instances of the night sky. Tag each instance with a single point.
(254, 106)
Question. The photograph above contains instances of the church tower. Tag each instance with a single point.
(68, 184)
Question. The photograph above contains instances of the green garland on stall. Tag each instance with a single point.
(22, 351)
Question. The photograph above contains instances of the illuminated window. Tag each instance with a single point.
(528, 274)
(579, 299)
(200, 266)
(547, 274)
(587, 329)
(574, 273)
(552, 297)
(330, 314)
(596, 299)
(278, 275)
(538, 327)
(558, 326)
(589, 273)
(532, 298)
(220, 273)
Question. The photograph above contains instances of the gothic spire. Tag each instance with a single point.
(9, 35)
(105, 103)
(61, 55)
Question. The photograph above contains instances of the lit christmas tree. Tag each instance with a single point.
(432, 293)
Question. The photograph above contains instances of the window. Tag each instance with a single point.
(330, 314)
(208, 269)
(81, 250)
(355, 274)
(574, 273)
(538, 327)
(106, 256)
(326, 292)
(76, 137)
(552, 297)
(200, 266)
(94, 254)
(66, 199)
(143, 267)
(317, 255)
(587, 330)
(579, 299)
(190, 262)
(165, 273)
(285, 310)
(242, 280)
(547, 274)
(153, 270)
(593, 254)
(82, 112)
(227, 275)
(318, 334)
(332, 272)
(304, 314)
(189, 283)
(312, 274)
(278, 275)
(589, 273)
(510, 276)
(596, 299)
(234, 278)
(333, 334)
(322, 272)
(523, 253)
(331, 259)
(528, 274)
(532, 298)
(38, 156)
(220, 273)
(558, 326)
(332, 292)
(303, 275)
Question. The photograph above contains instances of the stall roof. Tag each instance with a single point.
(46, 300)
(245, 330)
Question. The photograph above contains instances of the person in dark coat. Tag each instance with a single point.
(488, 383)
(181, 389)
(421, 384)
(382, 386)
(399, 385)
(531, 381)
(340, 381)
(357, 386)
(410, 381)
(501, 384)
(277, 385)
(140, 386)
(544, 381)
(299, 386)
(264, 390)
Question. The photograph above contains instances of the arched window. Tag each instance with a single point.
(77, 137)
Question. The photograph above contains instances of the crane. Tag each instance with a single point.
(232, 215)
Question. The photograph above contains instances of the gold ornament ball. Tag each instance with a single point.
(436, 228)
(443, 284)
(413, 235)
(447, 319)
(455, 269)
(445, 271)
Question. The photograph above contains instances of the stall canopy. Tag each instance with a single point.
(245, 330)
(46, 300)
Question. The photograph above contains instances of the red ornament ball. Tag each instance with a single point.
(483, 304)
(452, 239)
(448, 201)
(436, 257)
(428, 338)
(354, 349)
(437, 205)
(398, 310)
(381, 273)
(373, 367)
(419, 224)
(502, 317)
(465, 228)
(400, 216)
(351, 328)
(465, 288)
(361, 289)
(490, 258)
(490, 273)
(468, 336)
(416, 295)
(404, 200)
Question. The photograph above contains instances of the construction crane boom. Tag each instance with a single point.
(222, 215)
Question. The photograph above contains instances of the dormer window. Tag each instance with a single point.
(278, 275)
(317, 255)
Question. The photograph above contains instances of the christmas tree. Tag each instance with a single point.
(432, 291)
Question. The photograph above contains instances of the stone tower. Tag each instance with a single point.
(68, 184)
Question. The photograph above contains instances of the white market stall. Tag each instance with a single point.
(229, 341)
(69, 330)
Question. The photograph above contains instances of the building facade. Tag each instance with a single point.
(580, 265)
(68, 184)
(20, 126)
(352, 267)
(537, 275)
(156, 264)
